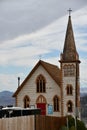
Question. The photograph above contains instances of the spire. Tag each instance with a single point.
(69, 11)
(69, 51)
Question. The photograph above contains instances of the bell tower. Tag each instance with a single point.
(69, 64)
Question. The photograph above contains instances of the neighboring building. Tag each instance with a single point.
(55, 90)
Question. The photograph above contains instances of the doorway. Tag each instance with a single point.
(41, 103)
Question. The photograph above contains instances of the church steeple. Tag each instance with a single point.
(69, 65)
(69, 51)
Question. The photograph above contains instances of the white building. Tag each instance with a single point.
(55, 90)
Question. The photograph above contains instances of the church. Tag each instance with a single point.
(55, 90)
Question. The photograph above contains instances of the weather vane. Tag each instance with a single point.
(69, 11)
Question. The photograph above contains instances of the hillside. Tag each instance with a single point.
(6, 98)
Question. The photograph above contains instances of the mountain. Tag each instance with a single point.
(6, 98)
(83, 94)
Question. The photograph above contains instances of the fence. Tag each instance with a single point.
(17, 123)
(49, 122)
(37, 122)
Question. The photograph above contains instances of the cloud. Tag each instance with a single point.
(43, 41)
(24, 36)
(23, 17)
(9, 81)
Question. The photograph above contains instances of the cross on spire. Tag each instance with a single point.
(69, 11)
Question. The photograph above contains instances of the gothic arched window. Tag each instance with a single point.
(26, 101)
(41, 84)
(72, 70)
(69, 106)
(69, 89)
(69, 70)
(56, 103)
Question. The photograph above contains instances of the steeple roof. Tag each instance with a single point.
(69, 51)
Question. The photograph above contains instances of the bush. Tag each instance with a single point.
(79, 124)
(72, 128)
(64, 128)
(71, 121)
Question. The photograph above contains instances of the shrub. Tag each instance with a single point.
(71, 121)
(79, 124)
(64, 128)
(72, 128)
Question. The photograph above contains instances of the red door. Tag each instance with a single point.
(42, 106)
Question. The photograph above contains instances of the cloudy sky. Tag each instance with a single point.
(35, 29)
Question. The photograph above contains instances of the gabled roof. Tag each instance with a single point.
(53, 71)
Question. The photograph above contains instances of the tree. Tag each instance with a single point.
(64, 128)
(73, 128)
(79, 124)
(71, 121)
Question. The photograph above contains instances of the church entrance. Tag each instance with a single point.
(42, 106)
(41, 103)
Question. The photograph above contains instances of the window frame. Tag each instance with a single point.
(69, 70)
(40, 84)
(56, 103)
(69, 89)
(26, 101)
(69, 106)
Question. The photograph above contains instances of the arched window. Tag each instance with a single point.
(69, 70)
(26, 101)
(56, 103)
(41, 84)
(69, 106)
(41, 99)
(65, 70)
(69, 89)
(72, 70)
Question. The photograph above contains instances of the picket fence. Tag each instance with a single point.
(17, 123)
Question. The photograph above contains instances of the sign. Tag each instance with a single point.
(50, 109)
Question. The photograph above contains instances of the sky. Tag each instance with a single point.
(31, 30)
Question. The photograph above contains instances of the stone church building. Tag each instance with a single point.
(54, 89)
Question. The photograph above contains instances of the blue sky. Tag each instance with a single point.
(34, 29)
